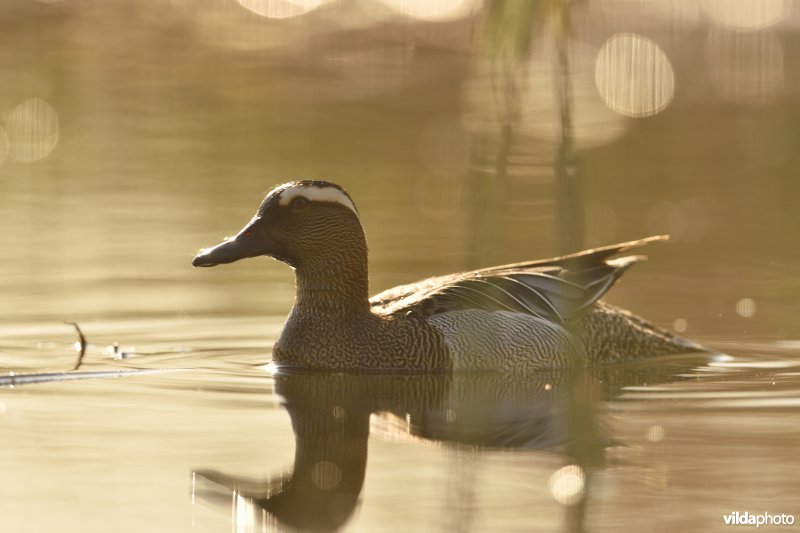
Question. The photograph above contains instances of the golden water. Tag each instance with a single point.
(135, 133)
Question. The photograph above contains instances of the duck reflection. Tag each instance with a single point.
(332, 416)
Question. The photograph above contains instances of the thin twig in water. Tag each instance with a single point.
(81, 341)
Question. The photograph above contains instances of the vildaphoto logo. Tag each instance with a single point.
(764, 519)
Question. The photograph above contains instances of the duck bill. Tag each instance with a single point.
(252, 241)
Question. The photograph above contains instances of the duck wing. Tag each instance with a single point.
(559, 289)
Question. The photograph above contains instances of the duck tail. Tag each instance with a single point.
(616, 335)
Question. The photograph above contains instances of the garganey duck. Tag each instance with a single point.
(523, 316)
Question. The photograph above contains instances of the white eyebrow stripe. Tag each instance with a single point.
(317, 194)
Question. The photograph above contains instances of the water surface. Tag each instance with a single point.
(134, 133)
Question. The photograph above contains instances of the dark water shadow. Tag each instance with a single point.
(332, 416)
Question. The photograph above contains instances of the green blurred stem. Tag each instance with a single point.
(569, 205)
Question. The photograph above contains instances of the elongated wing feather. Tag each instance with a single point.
(581, 259)
(558, 289)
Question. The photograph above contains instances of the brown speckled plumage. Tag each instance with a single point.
(522, 316)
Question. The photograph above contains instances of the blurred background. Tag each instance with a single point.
(469, 133)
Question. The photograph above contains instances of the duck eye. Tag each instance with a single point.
(299, 203)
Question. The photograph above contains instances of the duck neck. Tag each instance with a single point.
(337, 284)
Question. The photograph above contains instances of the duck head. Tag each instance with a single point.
(299, 223)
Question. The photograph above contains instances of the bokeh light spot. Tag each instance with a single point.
(746, 15)
(680, 325)
(745, 68)
(281, 9)
(568, 484)
(33, 131)
(746, 307)
(634, 76)
(434, 10)
(655, 433)
(326, 475)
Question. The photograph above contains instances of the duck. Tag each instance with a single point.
(511, 318)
